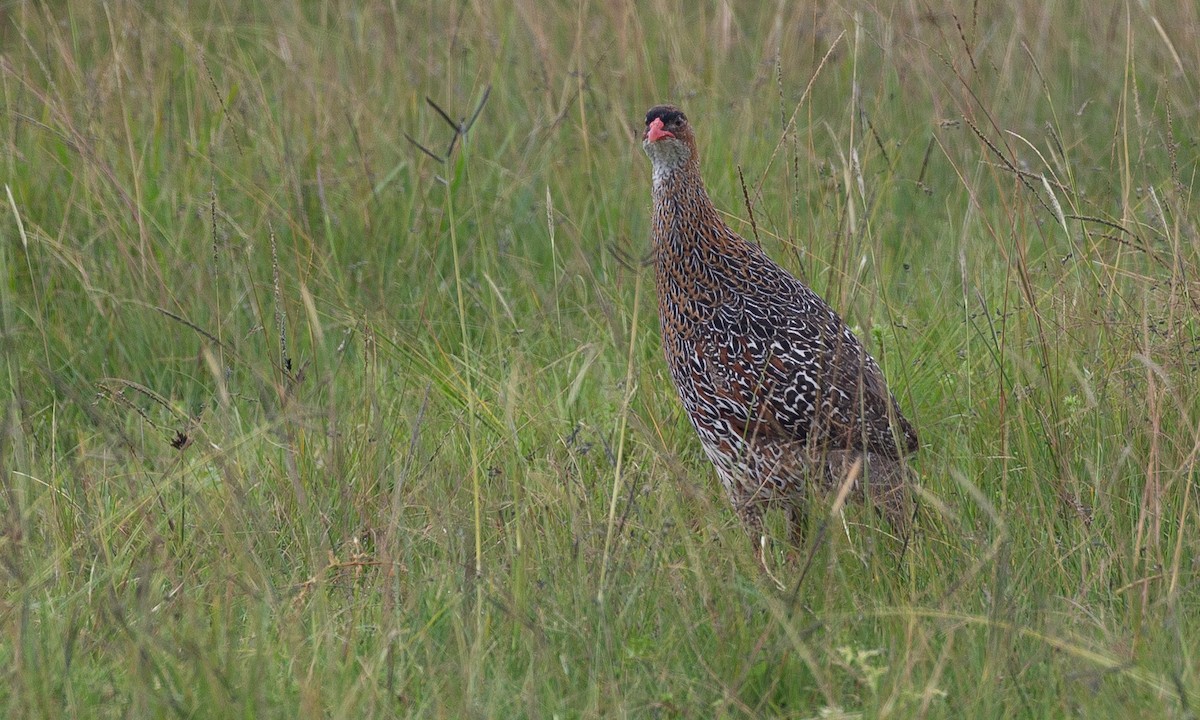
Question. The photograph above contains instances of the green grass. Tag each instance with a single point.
(301, 422)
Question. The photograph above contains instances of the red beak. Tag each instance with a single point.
(655, 132)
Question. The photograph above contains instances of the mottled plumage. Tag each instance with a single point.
(777, 386)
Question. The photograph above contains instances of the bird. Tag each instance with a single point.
(778, 388)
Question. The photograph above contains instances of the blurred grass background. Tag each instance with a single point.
(303, 420)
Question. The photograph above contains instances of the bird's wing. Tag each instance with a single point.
(784, 365)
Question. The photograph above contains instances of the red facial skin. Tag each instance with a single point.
(655, 132)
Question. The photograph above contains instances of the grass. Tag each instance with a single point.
(300, 420)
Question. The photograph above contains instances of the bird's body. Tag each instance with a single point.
(776, 385)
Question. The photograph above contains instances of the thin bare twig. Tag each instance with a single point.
(749, 207)
(461, 128)
(423, 149)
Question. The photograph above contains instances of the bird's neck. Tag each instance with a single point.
(671, 173)
(684, 216)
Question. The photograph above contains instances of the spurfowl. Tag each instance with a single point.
(778, 388)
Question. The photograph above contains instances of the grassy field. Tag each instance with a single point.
(302, 417)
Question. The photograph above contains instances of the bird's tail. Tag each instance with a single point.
(887, 483)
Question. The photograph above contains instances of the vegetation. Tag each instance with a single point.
(316, 404)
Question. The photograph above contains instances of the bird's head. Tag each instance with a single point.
(668, 139)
